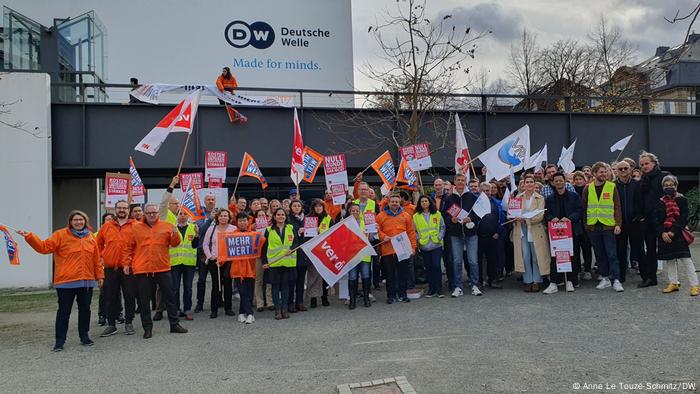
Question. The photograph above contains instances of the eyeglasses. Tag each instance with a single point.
(151, 213)
(623, 169)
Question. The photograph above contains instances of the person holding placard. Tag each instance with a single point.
(586, 250)
(430, 232)
(602, 218)
(530, 246)
(77, 270)
(263, 292)
(315, 285)
(564, 206)
(362, 269)
(218, 269)
(296, 289)
(393, 222)
(279, 257)
(243, 272)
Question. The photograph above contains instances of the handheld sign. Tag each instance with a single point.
(215, 163)
(515, 207)
(117, 187)
(261, 223)
(195, 177)
(236, 246)
(310, 226)
(370, 222)
(561, 237)
(563, 259)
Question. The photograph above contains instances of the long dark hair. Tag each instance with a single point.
(228, 72)
(431, 204)
(313, 213)
(274, 222)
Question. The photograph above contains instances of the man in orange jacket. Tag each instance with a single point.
(392, 221)
(112, 241)
(148, 258)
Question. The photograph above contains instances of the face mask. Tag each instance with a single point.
(669, 191)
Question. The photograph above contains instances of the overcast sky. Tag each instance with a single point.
(642, 22)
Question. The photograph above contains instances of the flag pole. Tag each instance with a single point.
(10, 227)
(184, 151)
(238, 177)
(623, 149)
(128, 200)
(420, 181)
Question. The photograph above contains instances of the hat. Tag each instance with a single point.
(293, 191)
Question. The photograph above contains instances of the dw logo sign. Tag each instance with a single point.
(241, 34)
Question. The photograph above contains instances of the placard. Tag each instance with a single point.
(339, 193)
(563, 259)
(261, 223)
(215, 163)
(456, 212)
(515, 207)
(561, 237)
(418, 156)
(196, 178)
(310, 226)
(117, 187)
(215, 183)
(336, 175)
(370, 222)
(237, 246)
(402, 246)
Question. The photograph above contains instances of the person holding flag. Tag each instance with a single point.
(315, 285)
(280, 258)
(77, 270)
(218, 269)
(391, 222)
(297, 166)
(362, 270)
(183, 262)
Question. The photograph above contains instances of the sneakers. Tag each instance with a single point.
(86, 341)
(618, 286)
(587, 276)
(241, 318)
(101, 320)
(129, 329)
(109, 331)
(371, 298)
(551, 289)
(457, 293)
(405, 299)
(431, 295)
(671, 287)
(178, 329)
(695, 291)
(476, 291)
(440, 295)
(250, 319)
(569, 286)
(604, 284)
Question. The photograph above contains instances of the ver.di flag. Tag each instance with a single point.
(338, 250)
(384, 167)
(312, 162)
(507, 155)
(179, 119)
(138, 191)
(250, 168)
(462, 157)
(406, 175)
(190, 203)
(11, 246)
(297, 167)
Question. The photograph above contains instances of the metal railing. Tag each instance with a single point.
(86, 92)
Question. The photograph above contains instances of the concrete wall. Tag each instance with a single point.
(70, 194)
(25, 171)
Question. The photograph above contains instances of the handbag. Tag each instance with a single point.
(688, 236)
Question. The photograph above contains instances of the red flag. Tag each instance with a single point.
(11, 245)
(251, 168)
(234, 116)
(180, 119)
(297, 168)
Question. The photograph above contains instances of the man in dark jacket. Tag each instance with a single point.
(489, 230)
(565, 206)
(652, 191)
(439, 195)
(462, 234)
(630, 203)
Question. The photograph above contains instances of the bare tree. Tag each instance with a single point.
(612, 52)
(692, 16)
(524, 64)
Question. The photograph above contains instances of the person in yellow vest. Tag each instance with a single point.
(183, 263)
(315, 286)
(430, 233)
(362, 269)
(367, 203)
(603, 218)
(281, 261)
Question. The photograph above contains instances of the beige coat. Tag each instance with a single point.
(537, 228)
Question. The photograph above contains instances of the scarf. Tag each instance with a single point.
(80, 234)
(672, 211)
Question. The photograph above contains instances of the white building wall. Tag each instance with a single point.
(25, 173)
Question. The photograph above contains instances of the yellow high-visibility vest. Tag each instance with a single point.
(185, 254)
(601, 210)
(276, 247)
(427, 232)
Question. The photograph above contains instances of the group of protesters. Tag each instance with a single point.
(144, 258)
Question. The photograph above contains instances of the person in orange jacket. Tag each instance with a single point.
(77, 270)
(392, 221)
(148, 259)
(226, 81)
(112, 241)
(243, 273)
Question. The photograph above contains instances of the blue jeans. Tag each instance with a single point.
(184, 273)
(532, 268)
(361, 270)
(605, 247)
(457, 244)
(431, 261)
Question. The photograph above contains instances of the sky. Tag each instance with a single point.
(642, 22)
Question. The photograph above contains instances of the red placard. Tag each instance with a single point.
(334, 164)
(196, 178)
(215, 163)
(261, 223)
(454, 210)
(215, 183)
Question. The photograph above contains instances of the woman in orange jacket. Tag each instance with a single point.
(392, 221)
(243, 273)
(77, 270)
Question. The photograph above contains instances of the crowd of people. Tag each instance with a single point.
(145, 258)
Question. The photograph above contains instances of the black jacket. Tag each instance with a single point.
(465, 201)
(678, 248)
(571, 208)
(490, 224)
(630, 201)
(651, 190)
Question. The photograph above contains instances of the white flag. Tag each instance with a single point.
(566, 159)
(179, 119)
(537, 159)
(504, 201)
(508, 154)
(621, 144)
(462, 157)
(482, 206)
(338, 250)
(402, 246)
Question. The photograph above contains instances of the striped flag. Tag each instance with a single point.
(190, 203)
(138, 192)
(251, 168)
(11, 245)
